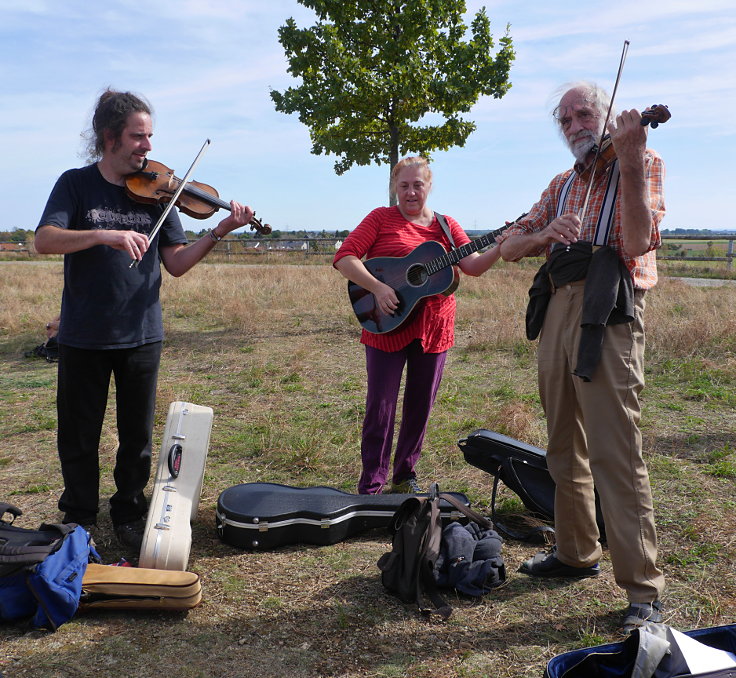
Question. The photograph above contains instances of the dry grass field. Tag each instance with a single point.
(273, 348)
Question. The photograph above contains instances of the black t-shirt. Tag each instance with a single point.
(105, 303)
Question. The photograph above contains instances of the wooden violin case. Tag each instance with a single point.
(139, 588)
(264, 516)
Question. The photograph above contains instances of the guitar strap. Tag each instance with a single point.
(445, 228)
(605, 217)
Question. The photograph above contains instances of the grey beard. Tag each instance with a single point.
(581, 149)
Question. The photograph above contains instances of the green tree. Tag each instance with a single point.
(386, 78)
(17, 235)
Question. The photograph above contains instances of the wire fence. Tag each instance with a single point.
(685, 248)
(716, 248)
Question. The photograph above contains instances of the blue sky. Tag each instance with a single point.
(208, 67)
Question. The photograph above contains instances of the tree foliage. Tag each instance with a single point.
(387, 78)
(17, 235)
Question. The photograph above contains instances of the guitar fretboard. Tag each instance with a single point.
(455, 255)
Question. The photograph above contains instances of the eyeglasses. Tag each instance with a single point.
(584, 116)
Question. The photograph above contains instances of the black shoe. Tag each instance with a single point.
(546, 564)
(638, 613)
(131, 534)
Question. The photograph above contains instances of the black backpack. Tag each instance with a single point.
(49, 350)
(41, 570)
(408, 571)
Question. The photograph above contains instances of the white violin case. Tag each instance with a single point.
(167, 539)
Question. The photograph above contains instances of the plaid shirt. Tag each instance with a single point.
(643, 269)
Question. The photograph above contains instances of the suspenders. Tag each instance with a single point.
(604, 224)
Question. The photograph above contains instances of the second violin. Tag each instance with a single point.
(156, 183)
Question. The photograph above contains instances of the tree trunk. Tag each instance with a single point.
(393, 156)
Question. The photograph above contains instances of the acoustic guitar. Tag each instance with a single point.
(428, 269)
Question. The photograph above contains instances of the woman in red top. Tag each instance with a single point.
(420, 343)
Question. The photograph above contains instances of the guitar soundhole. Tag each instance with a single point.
(416, 275)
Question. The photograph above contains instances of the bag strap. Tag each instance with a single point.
(24, 554)
(62, 528)
(531, 534)
(467, 511)
(11, 509)
(445, 228)
(429, 552)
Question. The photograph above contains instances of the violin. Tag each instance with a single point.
(155, 183)
(654, 116)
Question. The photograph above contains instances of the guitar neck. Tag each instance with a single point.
(455, 255)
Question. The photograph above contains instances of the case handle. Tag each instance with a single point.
(175, 454)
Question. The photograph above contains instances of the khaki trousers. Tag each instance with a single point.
(594, 440)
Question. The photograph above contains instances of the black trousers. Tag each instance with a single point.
(81, 400)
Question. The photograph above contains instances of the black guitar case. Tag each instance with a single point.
(263, 516)
(523, 469)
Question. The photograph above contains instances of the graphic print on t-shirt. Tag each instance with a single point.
(116, 220)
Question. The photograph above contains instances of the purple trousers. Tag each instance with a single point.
(423, 377)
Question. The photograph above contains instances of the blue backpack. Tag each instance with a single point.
(41, 570)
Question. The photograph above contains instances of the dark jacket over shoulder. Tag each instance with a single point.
(608, 298)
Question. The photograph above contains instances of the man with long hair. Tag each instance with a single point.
(111, 322)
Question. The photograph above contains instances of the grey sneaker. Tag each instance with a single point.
(638, 613)
(408, 486)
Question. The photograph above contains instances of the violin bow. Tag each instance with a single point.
(172, 202)
(584, 208)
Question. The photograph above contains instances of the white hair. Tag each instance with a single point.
(597, 96)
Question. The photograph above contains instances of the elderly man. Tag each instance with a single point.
(587, 305)
(111, 320)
